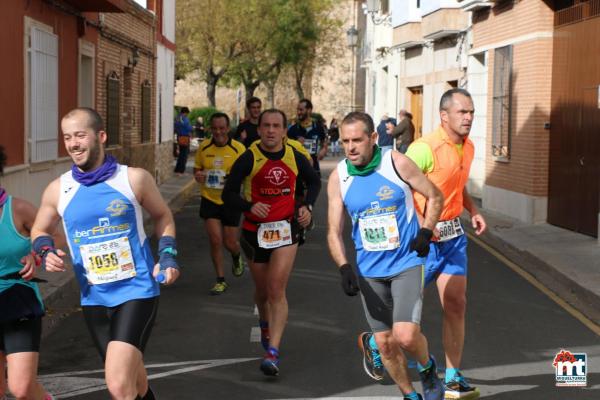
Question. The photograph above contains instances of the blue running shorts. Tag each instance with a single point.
(448, 257)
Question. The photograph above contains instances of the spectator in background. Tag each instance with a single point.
(404, 132)
(199, 128)
(385, 141)
(183, 130)
(247, 131)
(334, 137)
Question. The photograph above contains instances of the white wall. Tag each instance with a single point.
(168, 22)
(477, 83)
(404, 11)
(165, 91)
(429, 6)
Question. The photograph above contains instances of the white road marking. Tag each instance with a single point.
(66, 384)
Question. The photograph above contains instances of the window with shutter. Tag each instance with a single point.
(43, 96)
(113, 103)
(501, 113)
(146, 114)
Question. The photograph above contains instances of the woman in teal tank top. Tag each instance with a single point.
(21, 306)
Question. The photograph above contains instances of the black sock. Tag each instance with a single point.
(148, 396)
(220, 279)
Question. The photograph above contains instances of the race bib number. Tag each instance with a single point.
(272, 235)
(310, 145)
(449, 229)
(108, 261)
(215, 178)
(379, 233)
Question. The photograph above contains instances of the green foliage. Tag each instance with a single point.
(204, 112)
(251, 41)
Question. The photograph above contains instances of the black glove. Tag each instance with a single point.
(420, 243)
(349, 281)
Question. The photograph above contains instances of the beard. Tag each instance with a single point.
(94, 154)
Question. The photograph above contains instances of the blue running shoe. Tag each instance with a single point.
(433, 389)
(270, 363)
(459, 388)
(420, 397)
(371, 358)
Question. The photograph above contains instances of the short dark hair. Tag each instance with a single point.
(446, 99)
(307, 103)
(2, 160)
(94, 119)
(253, 100)
(358, 116)
(218, 115)
(273, 111)
(184, 110)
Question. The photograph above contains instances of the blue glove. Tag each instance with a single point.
(42, 245)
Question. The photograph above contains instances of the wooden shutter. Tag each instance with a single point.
(43, 96)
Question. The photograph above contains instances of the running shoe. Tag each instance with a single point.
(459, 388)
(371, 358)
(420, 397)
(265, 337)
(270, 363)
(219, 288)
(433, 389)
(238, 266)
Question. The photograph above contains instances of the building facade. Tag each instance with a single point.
(48, 69)
(532, 71)
(65, 54)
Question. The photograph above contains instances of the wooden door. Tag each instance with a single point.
(573, 200)
(416, 109)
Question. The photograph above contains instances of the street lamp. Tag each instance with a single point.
(352, 37)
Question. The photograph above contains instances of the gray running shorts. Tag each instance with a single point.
(397, 298)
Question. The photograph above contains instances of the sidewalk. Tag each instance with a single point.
(61, 291)
(565, 262)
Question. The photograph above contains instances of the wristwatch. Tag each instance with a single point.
(309, 207)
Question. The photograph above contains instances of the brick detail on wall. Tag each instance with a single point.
(527, 170)
(122, 32)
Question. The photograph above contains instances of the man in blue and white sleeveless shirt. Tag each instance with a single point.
(101, 204)
(375, 189)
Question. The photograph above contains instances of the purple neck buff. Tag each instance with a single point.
(100, 174)
(3, 196)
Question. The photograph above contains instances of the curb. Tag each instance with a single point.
(61, 293)
(562, 285)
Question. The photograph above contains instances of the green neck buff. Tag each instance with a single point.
(367, 169)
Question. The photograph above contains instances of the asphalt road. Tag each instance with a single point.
(206, 347)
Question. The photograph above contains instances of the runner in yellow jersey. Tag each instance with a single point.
(214, 159)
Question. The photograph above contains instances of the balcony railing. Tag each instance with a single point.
(577, 13)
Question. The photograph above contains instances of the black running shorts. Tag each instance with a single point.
(228, 217)
(254, 252)
(21, 336)
(130, 322)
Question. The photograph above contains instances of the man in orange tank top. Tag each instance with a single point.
(445, 157)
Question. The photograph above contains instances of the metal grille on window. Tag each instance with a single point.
(501, 123)
(113, 101)
(146, 107)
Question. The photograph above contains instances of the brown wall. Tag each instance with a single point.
(123, 30)
(511, 19)
(13, 69)
(575, 144)
(528, 26)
